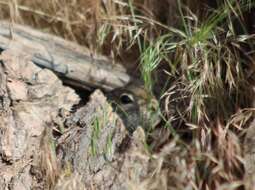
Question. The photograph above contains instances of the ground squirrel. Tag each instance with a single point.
(135, 106)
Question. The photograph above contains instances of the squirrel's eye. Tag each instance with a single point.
(126, 98)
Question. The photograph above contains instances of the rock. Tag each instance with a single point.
(94, 138)
(100, 150)
(31, 98)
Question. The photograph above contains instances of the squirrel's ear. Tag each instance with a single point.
(126, 98)
(154, 105)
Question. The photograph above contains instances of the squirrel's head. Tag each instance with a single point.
(135, 106)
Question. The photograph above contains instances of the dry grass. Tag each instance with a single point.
(93, 23)
(206, 60)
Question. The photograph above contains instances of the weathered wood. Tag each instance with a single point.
(72, 62)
